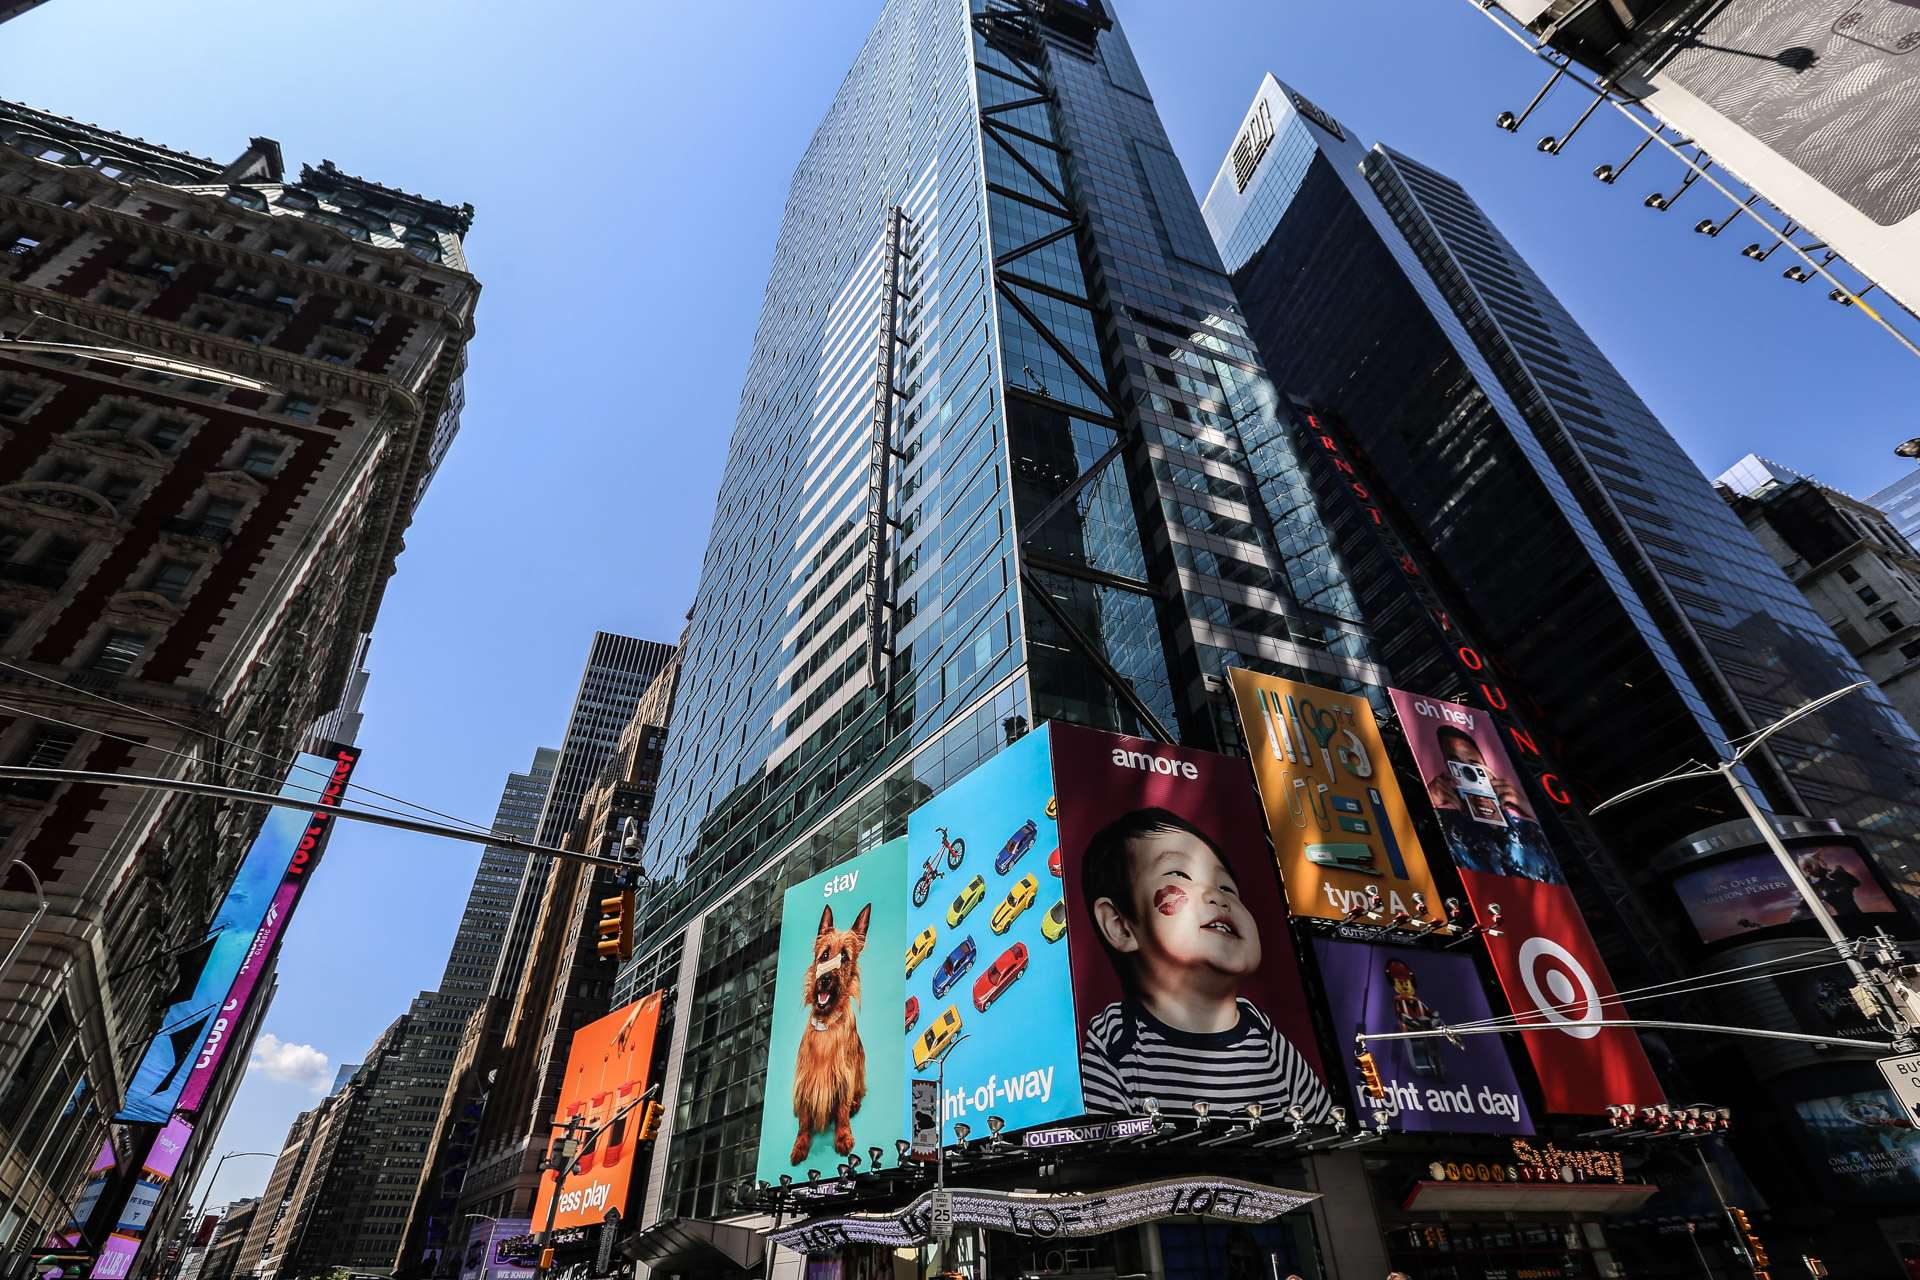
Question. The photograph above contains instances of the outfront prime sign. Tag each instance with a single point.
(1047, 1217)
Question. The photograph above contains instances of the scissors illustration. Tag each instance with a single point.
(1321, 724)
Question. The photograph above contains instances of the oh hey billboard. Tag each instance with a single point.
(1547, 962)
(1340, 827)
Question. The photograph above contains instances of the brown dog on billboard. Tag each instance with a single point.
(1183, 970)
(1340, 827)
(830, 1072)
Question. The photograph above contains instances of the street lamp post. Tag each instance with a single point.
(563, 1163)
(940, 1148)
(1903, 1032)
(201, 1213)
(20, 943)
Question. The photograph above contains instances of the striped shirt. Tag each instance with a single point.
(1131, 1056)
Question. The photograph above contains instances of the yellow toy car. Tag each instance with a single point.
(1018, 899)
(922, 948)
(970, 897)
(936, 1038)
(1054, 926)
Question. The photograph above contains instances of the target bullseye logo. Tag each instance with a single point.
(1537, 957)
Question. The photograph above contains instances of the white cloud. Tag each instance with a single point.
(300, 1064)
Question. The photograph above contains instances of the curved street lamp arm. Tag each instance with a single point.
(1753, 740)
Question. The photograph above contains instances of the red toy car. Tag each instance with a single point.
(1006, 971)
(1053, 863)
(913, 1011)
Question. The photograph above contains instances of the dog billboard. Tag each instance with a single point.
(1341, 832)
(836, 1079)
(607, 1069)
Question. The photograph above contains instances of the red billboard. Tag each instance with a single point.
(1548, 965)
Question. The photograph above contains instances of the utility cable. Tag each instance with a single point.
(251, 773)
(293, 764)
(1652, 990)
(1532, 1019)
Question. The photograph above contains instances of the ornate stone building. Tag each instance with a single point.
(223, 390)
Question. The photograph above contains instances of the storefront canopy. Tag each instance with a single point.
(1029, 1213)
(691, 1244)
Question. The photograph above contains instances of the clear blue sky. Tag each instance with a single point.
(629, 163)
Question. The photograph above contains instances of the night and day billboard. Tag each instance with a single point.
(183, 1038)
(1432, 1085)
(835, 1079)
(1546, 959)
(1339, 824)
(607, 1069)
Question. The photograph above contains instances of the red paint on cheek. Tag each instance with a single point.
(1169, 900)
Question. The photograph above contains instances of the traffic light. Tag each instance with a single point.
(616, 926)
(650, 1113)
(1369, 1075)
(1754, 1246)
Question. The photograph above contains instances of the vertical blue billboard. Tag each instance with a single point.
(834, 1078)
(169, 1059)
(989, 980)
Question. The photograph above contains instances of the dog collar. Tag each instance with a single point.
(816, 1024)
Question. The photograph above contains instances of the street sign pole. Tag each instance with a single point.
(1903, 1077)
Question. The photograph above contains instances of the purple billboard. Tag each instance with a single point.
(1433, 1086)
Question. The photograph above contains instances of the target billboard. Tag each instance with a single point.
(1547, 962)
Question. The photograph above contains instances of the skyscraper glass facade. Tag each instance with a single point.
(1647, 620)
(618, 671)
(1058, 477)
(1901, 501)
(496, 882)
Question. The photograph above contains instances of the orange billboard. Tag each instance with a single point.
(1345, 844)
(606, 1072)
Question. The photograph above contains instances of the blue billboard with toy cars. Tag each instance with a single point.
(989, 982)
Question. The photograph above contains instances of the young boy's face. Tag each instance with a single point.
(1187, 916)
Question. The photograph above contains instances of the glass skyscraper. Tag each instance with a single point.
(1644, 616)
(1004, 454)
(1629, 622)
(496, 882)
(618, 671)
